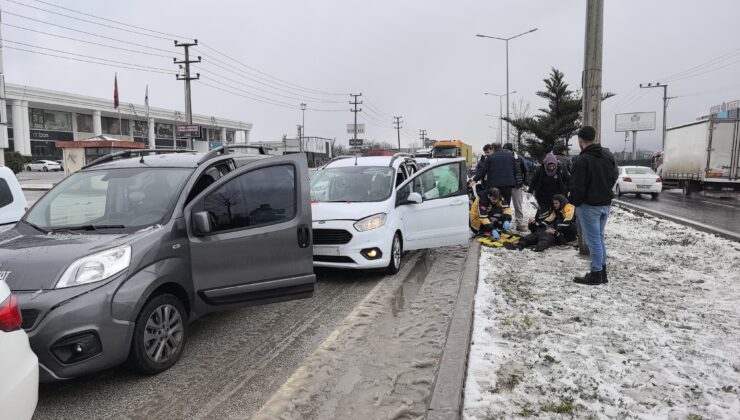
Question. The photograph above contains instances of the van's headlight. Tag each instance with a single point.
(371, 222)
(96, 267)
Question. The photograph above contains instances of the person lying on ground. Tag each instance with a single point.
(559, 227)
(490, 216)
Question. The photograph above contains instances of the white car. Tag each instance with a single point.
(368, 210)
(638, 180)
(43, 165)
(19, 366)
(12, 201)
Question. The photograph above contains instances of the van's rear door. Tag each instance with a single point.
(250, 235)
(722, 147)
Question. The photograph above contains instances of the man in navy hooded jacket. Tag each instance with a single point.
(499, 171)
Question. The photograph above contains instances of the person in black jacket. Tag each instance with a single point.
(549, 179)
(499, 171)
(594, 174)
(521, 178)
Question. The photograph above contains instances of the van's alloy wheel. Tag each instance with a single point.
(396, 254)
(159, 334)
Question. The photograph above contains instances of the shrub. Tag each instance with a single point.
(14, 161)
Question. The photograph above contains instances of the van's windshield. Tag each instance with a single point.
(109, 201)
(353, 183)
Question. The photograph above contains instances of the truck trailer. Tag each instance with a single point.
(702, 156)
(453, 149)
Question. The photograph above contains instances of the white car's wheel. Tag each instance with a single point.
(45, 169)
(619, 191)
(28, 168)
(396, 254)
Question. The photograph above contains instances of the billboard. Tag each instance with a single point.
(360, 128)
(634, 121)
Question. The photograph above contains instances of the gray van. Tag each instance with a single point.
(114, 262)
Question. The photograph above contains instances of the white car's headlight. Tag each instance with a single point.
(371, 222)
(96, 267)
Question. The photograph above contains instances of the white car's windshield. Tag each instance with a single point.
(353, 183)
(109, 201)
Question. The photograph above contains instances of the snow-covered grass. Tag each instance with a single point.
(660, 340)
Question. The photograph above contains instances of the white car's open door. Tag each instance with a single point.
(433, 205)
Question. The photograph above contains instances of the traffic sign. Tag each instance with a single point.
(357, 142)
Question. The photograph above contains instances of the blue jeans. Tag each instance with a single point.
(593, 221)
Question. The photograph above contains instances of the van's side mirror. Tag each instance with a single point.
(201, 222)
(414, 198)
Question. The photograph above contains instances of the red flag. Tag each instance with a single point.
(115, 91)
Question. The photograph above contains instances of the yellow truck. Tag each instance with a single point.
(453, 149)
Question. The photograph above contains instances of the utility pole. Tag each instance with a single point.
(3, 111)
(665, 104)
(423, 138)
(398, 126)
(591, 78)
(303, 126)
(187, 78)
(355, 102)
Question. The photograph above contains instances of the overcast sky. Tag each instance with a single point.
(416, 58)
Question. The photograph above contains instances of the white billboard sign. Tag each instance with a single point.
(634, 121)
(360, 128)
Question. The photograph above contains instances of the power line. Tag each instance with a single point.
(88, 56)
(275, 103)
(87, 61)
(89, 21)
(87, 33)
(710, 62)
(111, 20)
(704, 72)
(86, 42)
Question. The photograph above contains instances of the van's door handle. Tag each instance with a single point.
(457, 202)
(304, 236)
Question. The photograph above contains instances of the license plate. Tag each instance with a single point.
(326, 250)
(643, 186)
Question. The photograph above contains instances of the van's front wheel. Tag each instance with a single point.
(159, 335)
(396, 254)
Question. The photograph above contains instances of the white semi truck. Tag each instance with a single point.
(702, 156)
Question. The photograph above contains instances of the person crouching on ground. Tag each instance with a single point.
(492, 216)
(594, 175)
(558, 228)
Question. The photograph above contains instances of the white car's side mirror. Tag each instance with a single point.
(415, 198)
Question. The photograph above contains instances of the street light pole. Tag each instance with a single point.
(303, 126)
(508, 131)
(501, 116)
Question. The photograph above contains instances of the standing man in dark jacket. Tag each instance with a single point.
(499, 171)
(594, 176)
(549, 179)
(521, 178)
(565, 163)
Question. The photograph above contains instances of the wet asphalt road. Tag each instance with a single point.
(234, 361)
(712, 212)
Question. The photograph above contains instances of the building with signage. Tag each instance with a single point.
(38, 118)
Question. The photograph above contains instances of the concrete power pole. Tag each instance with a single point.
(3, 110)
(398, 126)
(355, 102)
(187, 78)
(591, 78)
(665, 104)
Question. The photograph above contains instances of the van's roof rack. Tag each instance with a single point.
(406, 156)
(224, 150)
(125, 154)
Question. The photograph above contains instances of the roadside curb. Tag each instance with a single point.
(680, 220)
(447, 394)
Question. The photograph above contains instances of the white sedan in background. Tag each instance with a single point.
(638, 180)
(43, 165)
(19, 382)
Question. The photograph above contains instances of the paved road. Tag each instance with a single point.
(39, 177)
(234, 361)
(713, 212)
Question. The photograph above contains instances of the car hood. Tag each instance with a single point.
(33, 262)
(346, 211)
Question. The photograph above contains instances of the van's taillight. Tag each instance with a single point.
(658, 180)
(10, 315)
(627, 179)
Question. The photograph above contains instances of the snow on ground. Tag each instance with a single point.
(660, 340)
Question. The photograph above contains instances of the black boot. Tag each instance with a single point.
(591, 278)
(603, 274)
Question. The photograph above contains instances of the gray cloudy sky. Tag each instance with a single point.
(415, 58)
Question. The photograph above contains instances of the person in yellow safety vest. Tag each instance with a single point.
(559, 227)
(491, 215)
